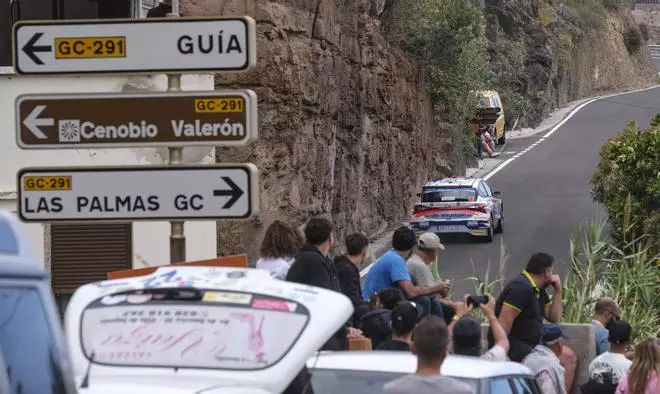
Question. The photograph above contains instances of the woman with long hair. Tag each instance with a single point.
(280, 245)
(644, 374)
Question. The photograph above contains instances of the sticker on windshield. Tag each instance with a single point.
(236, 274)
(230, 298)
(277, 305)
(193, 334)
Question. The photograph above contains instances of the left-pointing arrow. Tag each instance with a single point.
(31, 49)
(32, 122)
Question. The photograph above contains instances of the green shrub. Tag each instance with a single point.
(599, 268)
(633, 39)
(447, 38)
(627, 182)
(506, 72)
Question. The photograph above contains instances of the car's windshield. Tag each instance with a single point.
(191, 329)
(440, 194)
(484, 102)
(334, 381)
(27, 346)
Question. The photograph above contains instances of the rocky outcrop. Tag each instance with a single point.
(346, 127)
(570, 52)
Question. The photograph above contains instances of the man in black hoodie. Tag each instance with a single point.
(313, 267)
(348, 274)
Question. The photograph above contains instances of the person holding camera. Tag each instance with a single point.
(466, 329)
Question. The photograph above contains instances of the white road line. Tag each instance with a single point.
(558, 125)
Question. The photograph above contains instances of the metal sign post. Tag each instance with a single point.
(177, 231)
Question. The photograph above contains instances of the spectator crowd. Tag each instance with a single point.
(402, 307)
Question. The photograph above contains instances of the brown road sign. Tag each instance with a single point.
(130, 120)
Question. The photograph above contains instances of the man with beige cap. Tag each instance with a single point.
(426, 252)
(428, 246)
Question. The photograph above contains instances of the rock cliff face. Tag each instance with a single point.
(346, 128)
(570, 52)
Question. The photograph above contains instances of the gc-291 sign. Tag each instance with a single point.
(135, 46)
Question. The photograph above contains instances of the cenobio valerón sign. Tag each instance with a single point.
(223, 191)
(120, 120)
(134, 46)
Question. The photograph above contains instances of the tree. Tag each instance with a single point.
(629, 169)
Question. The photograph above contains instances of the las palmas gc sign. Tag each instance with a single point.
(221, 191)
(134, 46)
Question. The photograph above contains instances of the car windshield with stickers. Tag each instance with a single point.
(190, 328)
(198, 329)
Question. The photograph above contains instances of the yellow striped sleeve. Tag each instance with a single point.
(512, 306)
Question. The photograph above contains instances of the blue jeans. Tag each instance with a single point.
(429, 305)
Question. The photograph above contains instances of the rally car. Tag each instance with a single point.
(459, 205)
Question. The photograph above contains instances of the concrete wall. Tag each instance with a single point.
(150, 239)
(583, 342)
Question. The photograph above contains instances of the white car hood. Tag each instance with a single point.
(327, 311)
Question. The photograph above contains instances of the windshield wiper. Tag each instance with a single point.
(85, 381)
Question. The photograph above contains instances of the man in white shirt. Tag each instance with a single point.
(607, 369)
(466, 331)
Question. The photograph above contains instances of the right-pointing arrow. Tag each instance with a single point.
(235, 192)
(32, 122)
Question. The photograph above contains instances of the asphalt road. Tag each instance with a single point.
(545, 191)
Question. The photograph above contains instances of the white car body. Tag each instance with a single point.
(458, 205)
(203, 330)
(365, 372)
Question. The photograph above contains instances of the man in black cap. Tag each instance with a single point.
(404, 318)
(544, 360)
(607, 369)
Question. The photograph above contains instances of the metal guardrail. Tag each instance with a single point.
(654, 2)
(655, 51)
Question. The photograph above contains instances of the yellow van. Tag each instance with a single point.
(490, 110)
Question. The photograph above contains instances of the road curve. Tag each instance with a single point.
(545, 190)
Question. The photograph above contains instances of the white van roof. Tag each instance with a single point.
(14, 243)
(185, 329)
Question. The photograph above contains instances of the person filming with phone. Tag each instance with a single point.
(466, 329)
